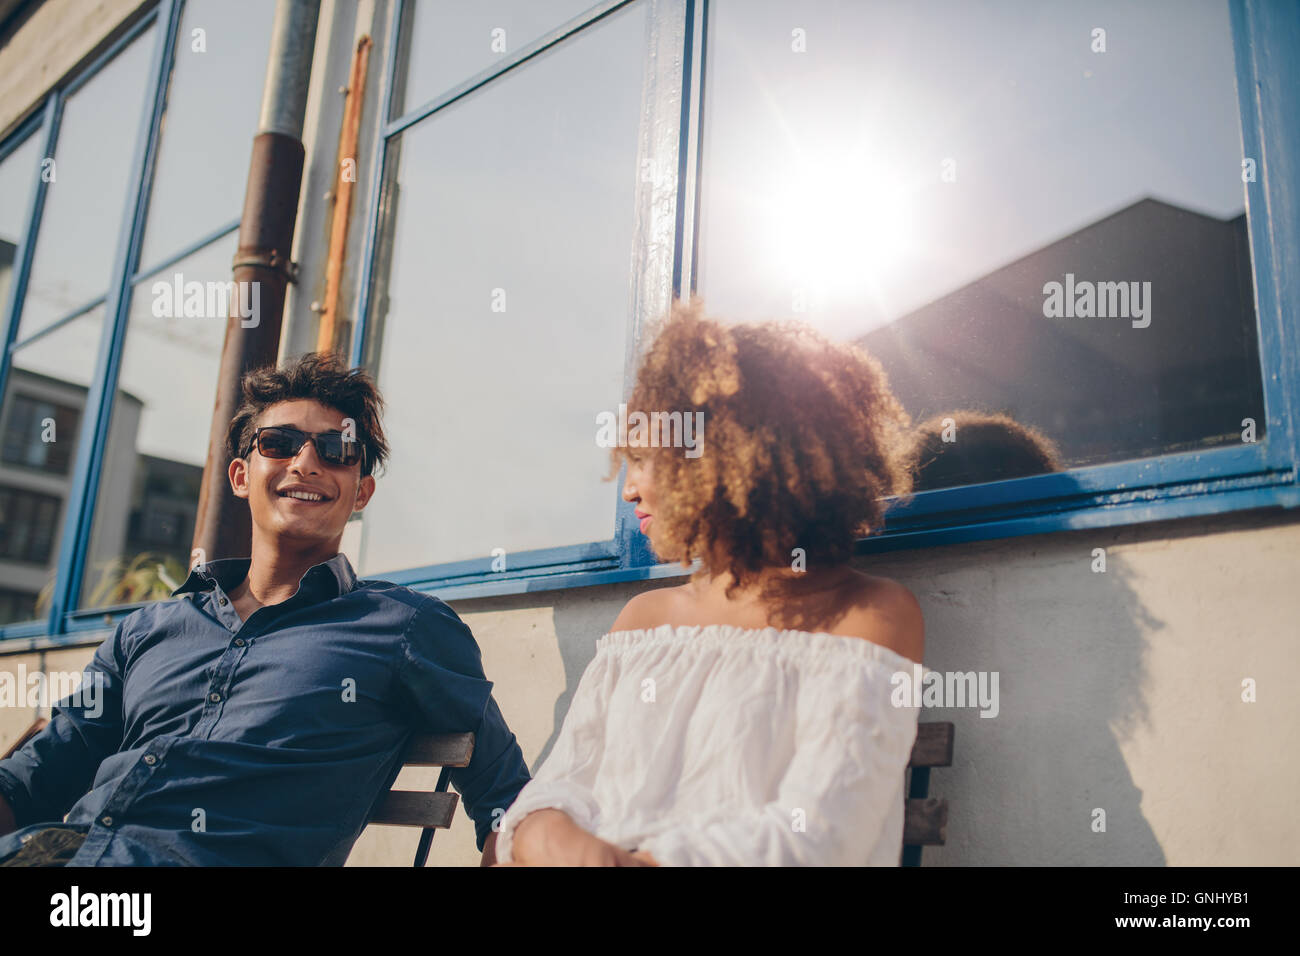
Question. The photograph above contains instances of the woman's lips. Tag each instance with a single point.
(645, 522)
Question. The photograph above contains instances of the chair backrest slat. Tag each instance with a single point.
(925, 822)
(439, 750)
(933, 747)
(412, 808)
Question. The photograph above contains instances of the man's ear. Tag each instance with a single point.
(365, 489)
(238, 472)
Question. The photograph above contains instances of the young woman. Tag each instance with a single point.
(744, 718)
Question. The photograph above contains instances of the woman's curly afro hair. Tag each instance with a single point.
(802, 438)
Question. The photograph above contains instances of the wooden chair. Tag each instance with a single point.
(417, 808)
(36, 727)
(925, 818)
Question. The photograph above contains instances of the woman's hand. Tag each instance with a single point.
(551, 838)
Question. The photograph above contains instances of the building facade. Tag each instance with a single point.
(1074, 216)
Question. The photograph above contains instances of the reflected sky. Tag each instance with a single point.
(170, 364)
(526, 186)
(17, 180)
(452, 40)
(208, 129)
(86, 201)
(823, 169)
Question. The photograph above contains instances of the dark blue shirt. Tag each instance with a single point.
(266, 741)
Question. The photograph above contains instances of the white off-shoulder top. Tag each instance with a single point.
(720, 745)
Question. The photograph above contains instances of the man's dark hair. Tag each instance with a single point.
(321, 377)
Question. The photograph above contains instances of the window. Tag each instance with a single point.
(913, 178)
(16, 605)
(509, 219)
(175, 321)
(27, 522)
(1017, 216)
(31, 433)
(105, 330)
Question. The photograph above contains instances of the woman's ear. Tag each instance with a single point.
(238, 473)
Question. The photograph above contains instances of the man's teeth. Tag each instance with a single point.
(304, 495)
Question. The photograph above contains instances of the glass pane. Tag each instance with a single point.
(916, 177)
(502, 312)
(40, 425)
(211, 118)
(445, 42)
(86, 198)
(158, 443)
(18, 175)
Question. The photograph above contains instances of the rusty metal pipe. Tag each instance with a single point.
(349, 132)
(223, 528)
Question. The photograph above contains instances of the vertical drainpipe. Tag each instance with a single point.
(223, 528)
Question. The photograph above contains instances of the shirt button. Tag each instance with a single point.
(150, 759)
(223, 602)
(214, 697)
(106, 820)
(239, 642)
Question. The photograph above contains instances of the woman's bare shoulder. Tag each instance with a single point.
(649, 609)
(885, 612)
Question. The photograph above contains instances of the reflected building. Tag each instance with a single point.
(1100, 388)
(150, 513)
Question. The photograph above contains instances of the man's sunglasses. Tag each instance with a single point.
(280, 441)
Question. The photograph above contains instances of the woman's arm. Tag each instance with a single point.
(563, 785)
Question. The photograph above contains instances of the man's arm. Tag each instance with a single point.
(489, 851)
(49, 773)
(442, 687)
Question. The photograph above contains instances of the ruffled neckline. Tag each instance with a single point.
(787, 640)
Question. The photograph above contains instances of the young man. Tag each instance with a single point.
(257, 719)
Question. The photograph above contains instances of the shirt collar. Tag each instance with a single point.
(228, 572)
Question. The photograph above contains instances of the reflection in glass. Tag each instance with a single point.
(208, 128)
(18, 175)
(85, 201)
(913, 177)
(51, 373)
(502, 306)
(445, 42)
(158, 440)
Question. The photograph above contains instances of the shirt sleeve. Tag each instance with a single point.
(566, 780)
(838, 795)
(443, 689)
(53, 770)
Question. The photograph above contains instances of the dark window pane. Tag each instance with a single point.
(916, 177)
(27, 525)
(30, 433)
(16, 606)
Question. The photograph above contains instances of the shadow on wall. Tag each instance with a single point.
(1034, 784)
